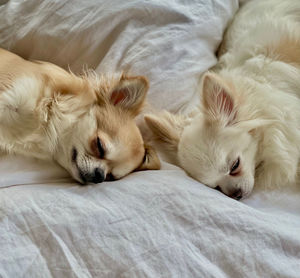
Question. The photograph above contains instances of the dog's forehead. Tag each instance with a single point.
(212, 168)
(125, 141)
(124, 146)
(119, 126)
(209, 159)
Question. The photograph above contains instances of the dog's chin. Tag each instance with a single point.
(75, 171)
(79, 179)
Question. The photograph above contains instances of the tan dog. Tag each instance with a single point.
(246, 131)
(85, 123)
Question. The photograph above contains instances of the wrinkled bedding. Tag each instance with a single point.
(152, 223)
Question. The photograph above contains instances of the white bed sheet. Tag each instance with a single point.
(149, 224)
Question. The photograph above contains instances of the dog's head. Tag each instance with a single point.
(216, 146)
(100, 140)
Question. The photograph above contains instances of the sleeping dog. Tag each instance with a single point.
(85, 123)
(246, 131)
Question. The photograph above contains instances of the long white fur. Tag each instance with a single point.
(259, 71)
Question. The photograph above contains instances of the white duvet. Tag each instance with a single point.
(152, 223)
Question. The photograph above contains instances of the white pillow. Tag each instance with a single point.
(170, 42)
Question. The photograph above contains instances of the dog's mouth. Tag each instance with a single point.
(74, 155)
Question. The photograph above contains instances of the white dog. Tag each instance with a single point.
(246, 131)
(85, 123)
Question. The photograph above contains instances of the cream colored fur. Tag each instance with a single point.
(249, 109)
(85, 123)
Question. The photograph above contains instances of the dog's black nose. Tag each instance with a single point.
(95, 177)
(237, 194)
(98, 176)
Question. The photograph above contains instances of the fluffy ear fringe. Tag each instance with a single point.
(166, 129)
(251, 125)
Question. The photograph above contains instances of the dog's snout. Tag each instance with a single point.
(97, 176)
(236, 194)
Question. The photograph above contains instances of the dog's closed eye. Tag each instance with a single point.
(235, 168)
(98, 148)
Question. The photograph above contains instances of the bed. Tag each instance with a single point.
(149, 224)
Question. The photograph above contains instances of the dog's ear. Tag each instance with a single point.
(252, 126)
(150, 161)
(130, 93)
(217, 101)
(166, 129)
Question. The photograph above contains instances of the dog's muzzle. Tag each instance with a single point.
(97, 176)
